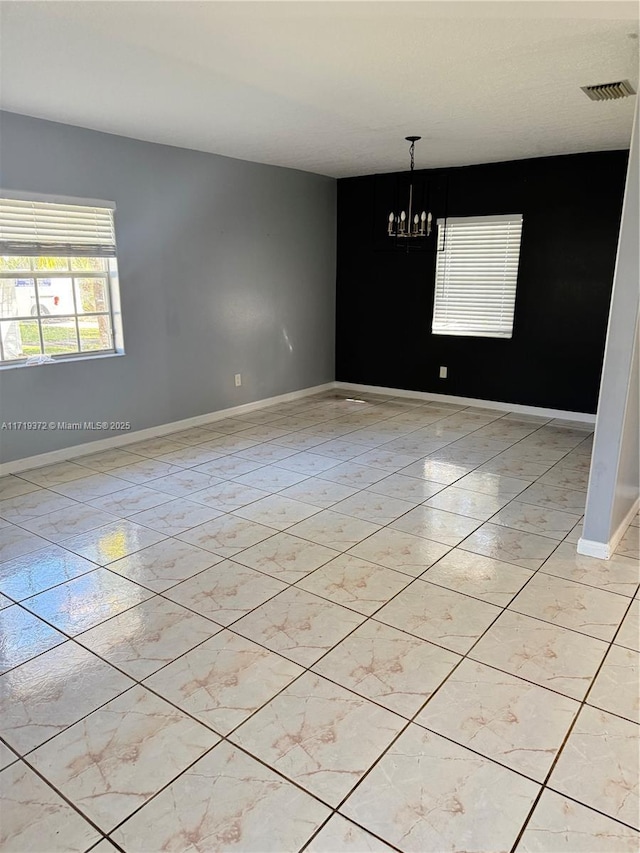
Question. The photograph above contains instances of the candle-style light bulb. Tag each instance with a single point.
(429, 221)
(390, 226)
(403, 216)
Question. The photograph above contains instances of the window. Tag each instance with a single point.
(476, 276)
(58, 278)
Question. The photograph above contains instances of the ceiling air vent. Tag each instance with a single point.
(608, 91)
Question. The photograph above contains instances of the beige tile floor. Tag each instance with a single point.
(329, 625)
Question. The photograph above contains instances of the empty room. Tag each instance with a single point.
(319, 426)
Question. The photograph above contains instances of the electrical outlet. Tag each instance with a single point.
(238, 380)
(443, 372)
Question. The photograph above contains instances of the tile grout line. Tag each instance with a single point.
(583, 704)
(77, 637)
(343, 552)
(275, 533)
(173, 497)
(383, 527)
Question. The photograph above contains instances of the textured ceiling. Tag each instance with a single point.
(328, 87)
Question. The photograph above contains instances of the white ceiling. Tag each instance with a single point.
(328, 87)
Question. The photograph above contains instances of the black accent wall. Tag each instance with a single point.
(571, 207)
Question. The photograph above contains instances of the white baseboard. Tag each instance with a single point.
(591, 548)
(605, 550)
(86, 448)
(581, 417)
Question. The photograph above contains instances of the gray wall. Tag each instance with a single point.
(628, 483)
(614, 480)
(225, 267)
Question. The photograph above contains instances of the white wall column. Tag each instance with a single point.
(614, 480)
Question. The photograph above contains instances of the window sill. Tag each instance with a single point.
(82, 358)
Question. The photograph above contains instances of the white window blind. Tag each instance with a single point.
(476, 275)
(34, 228)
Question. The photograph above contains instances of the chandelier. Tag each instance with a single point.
(410, 225)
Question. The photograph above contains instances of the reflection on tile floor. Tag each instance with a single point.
(330, 626)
